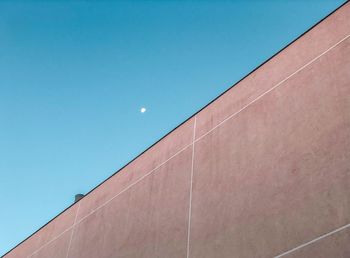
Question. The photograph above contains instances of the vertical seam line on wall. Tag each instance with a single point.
(53, 239)
(71, 234)
(105, 203)
(274, 87)
(313, 241)
(58, 236)
(191, 186)
(132, 184)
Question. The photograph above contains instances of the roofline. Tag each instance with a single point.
(186, 120)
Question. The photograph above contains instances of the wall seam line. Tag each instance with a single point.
(134, 183)
(313, 241)
(102, 205)
(271, 89)
(191, 188)
(72, 233)
(56, 237)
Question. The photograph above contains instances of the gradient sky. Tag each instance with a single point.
(74, 75)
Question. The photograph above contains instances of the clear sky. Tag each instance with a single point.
(74, 76)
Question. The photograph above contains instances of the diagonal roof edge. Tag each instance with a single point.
(186, 120)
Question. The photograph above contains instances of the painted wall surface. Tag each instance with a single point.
(263, 171)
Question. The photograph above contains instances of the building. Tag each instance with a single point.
(262, 171)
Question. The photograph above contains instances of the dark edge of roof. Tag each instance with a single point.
(256, 68)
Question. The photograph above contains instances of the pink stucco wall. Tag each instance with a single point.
(263, 171)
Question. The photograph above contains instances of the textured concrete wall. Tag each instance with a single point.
(263, 171)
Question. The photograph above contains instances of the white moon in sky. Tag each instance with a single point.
(143, 110)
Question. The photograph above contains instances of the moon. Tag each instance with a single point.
(143, 110)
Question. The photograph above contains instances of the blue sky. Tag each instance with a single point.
(74, 75)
